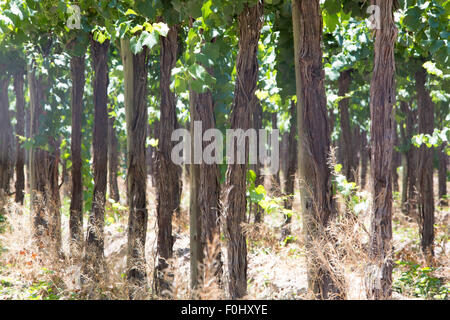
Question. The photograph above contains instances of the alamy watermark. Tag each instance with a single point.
(74, 21)
(374, 18)
(263, 147)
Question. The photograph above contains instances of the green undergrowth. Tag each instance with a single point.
(420, 282)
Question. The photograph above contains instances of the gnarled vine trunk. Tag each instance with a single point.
(20, 132)
(168, 174)
(152, 156)
(412, 153)
(365, 152)
(404, 161)
(6, 136)
(396, 159)
(443, 161)
(356, 143)
(346, 131)
(54, 205)
(93, 270)
(276, 185)
(28, 152)
(382, 100)
(292, 159)
(410, 159)
(425, 165)
(39, 165)
(77, 69)
(412, 179)
(259, 180)
(113, 161)
(250, 23)
(195, 216)
(318, 205)
(135, 81)
(289, 175)
(205, 181)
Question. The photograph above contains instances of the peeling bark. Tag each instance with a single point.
(346, 130)
(291, 167)
(93, 270)
(276, 185)
(20, 131)
(382, 100)
(6, 137)
(443, 161)
(250, 23)
(206, 210)
(318, 205)
(135, 81)
(28, 152)
(77, 69)
(259, 180)
(425, 166)
(113, 161)
(39, 167)
(168, 174)
(396, 159)
(365, 157)
(54, 206)
(409, 193)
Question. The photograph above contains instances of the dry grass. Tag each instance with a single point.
(276, 270)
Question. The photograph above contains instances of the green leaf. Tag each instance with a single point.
(194, 8)
(123, 28)
(16, 11)
(251, 176)
(206, 9)
(332, 6)
(149, 39)
(436, 45)
(197, 71)
(413, 19)
(432, 69)
(152, 142)
(198, 86)
(130, 12)
(331, 21)
(161, 28)
(135, 45)
(145, 8)
(181, 84)
(136, 29)
(99, 36)
(260, 190)
(258, 194)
